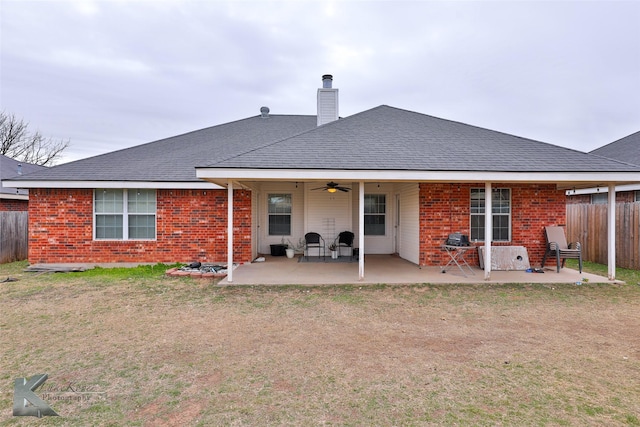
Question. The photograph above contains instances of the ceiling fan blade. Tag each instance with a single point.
(346, 190)
(319, 188)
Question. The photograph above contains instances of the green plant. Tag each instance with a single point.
(296, 247)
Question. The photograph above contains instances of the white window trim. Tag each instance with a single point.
(386, 216)
(125, 219)
(509, 215)
(291, 196)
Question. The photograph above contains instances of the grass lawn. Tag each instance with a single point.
(132, 347)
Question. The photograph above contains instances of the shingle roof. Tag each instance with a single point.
(383, 138)
(9, 169)
(387, 138)
(626, 149)
(173, 159)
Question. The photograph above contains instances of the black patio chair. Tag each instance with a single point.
(313, 240)
(344, 240)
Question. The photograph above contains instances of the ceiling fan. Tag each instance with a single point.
(332, 187)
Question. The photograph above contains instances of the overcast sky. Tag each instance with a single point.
(113, 74)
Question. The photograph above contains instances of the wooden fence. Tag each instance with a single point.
(587, 224)
(14, 236)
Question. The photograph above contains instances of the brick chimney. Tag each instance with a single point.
(327, 101)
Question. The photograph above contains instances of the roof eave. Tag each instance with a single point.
(8, 196)
(562, 179)
(187, 185)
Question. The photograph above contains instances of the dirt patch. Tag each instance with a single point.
(181, 352)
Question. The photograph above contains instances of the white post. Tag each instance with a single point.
(361, 231)
(611, 231)
(230, 231)
(488, 230)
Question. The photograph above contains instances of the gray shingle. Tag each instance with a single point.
(388, 138)
(383, 138)
(626, 149)
(9, 170)
(173, 159)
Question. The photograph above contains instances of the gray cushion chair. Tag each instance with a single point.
(557, 246)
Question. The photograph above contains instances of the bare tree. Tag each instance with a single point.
(18, 143)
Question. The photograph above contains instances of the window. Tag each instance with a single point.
(374, 214)
(279, 214)
(501, 209)
(125, 214)
(599, 198)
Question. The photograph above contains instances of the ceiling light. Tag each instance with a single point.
(331, 190)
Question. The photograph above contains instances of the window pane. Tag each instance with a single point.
(599, 199)
(279, 203)
(279, 225)
(500, 227)
(477, 227)
(141, 201)
(477, 200)
(279, 209)
(375, 207)
(500, 201)
(501, 209)
(108, 226)
(108, 201)
(374, 203)
(374, 225)
(142, 226)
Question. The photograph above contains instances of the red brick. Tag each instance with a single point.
(445, 209)
(191, 226)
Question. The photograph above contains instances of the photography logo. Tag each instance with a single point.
(25, 401)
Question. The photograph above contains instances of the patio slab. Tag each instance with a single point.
(388, 269)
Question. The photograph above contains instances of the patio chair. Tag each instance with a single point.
(557, 246)
(344, 240)
(313, 240)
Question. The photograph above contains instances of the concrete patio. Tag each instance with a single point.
(387, 269)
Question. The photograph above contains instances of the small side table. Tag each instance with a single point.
(456, 255)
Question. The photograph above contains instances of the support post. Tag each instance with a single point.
(229, 231)
(361, 230)
(611, 231)
(488, 229)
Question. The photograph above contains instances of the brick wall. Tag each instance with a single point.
(14, 205)
(445, 209)
(191, 226)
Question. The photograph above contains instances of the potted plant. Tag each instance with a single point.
(334, 251)
(292, 249)
(290, 252)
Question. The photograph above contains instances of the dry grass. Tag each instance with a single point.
(164, 352)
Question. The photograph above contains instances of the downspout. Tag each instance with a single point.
(611, 231)
(361, 230)
(229, 231)
(488, 230)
